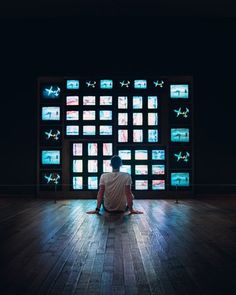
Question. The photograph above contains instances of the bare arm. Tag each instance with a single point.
(129, 197)
(99, 200)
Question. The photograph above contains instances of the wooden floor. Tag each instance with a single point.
(55, 248)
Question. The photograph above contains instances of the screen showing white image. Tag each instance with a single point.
(152, 119)
(72, 115)
(92, 182)
(77, 182)
(106, 100)
(137, 102)
(152, 102)
(92, 149)
(107, 149)
(72, 130)
(141, 184)
(78, 166)
(125, 154)
(89, 100)
(89, 115)
(92, 166)
(106, 166)
(122, 119)
(122, 102)
(137, 119)
(137, 135)
(122, 135)
(77, 149)
(72, 100)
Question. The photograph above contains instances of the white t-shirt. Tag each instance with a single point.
(114, 196)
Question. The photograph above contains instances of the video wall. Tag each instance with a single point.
(82, 122)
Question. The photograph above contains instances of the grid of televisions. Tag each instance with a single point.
(147, 166)
(180, 153)
(50, 137)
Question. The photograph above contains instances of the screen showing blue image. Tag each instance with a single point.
(89, 130)
(125, 168)
(140, 84)
(158, 154)
(51, 91)
(180, 179)
(179, 91)
(72, 84)
(152, 135)
(77, 182)
(72, 130)
(106, 84)
(137, 102)
(125, 154)
(179, 134)
(51, 113)
(50, 157)
(92, 182)
(105, 115)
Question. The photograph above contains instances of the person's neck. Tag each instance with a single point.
(116, 170)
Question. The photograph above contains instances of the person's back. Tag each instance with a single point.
(115, 194)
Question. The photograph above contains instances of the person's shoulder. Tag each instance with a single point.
(125, 174)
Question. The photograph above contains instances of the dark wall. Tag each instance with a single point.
(203, 48)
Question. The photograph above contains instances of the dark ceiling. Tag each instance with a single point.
(69, 8)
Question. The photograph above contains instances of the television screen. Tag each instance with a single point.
(106, 84)
(141, 169)
(152, 102)
(141, 154)
(92, 149)
(158, 169)
(158, 184)
(106, 166)
(179, 134)
(180, 179)
(122, 135)
(77, 149)
(91, 84)
(179, 91)
(107, 149)
(141, 184)
(72, 115)
(51, 157)
(105, 100)
(92, 182)
(125, 154)
(89, 100)
(77, 182)
(122, 102)
(72, 130)
(152, 135)
(72, 84)
(78, 166)
(92, 166)
(137, 102)
(125, 168)
(158, 154)
(105, 130)
(51, 136)
(105, 115)
(152, 119)
(72, 100)
(180, 158)
(122, 119)
(140, 84)
(181, 112)
(137, 135)
(137, 119)
(125, 84)
(89, 115)
(51, 92)
(50, 178)
(89, 130)
(50, 113)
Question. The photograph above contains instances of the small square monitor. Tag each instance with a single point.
(92, 149)
(72, 130)
(141, 155)
(51, 135)
(50, 113)
(106, 166)
(141, 184)
(106, 84)
(122, 119)
(92, 166)
(89, 115)
(72, 115)
(158, 154)
(152, 135)
(152, 119)
(105, 130)
(158, 169)
(179, 91)
(89, 130)
(105, 115)
(72, 100)
(77, 166)
(89, 100)
(180, 179)
(137, 119)
(122, 102)
(125, 168)
(107, 149)
(51, 157)
(140, 84)
(137, 102)
(77, 182)
(72, 84)
(125, 154)
(141, 169)
(179, 135)
(77, 149)
(50, 92)
(152, 102)
(158, 184)
(92, 182)
(137, 135)
(105, 100)
(122, 135)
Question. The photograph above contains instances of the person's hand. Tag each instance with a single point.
(133, 211)
(93, 212)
